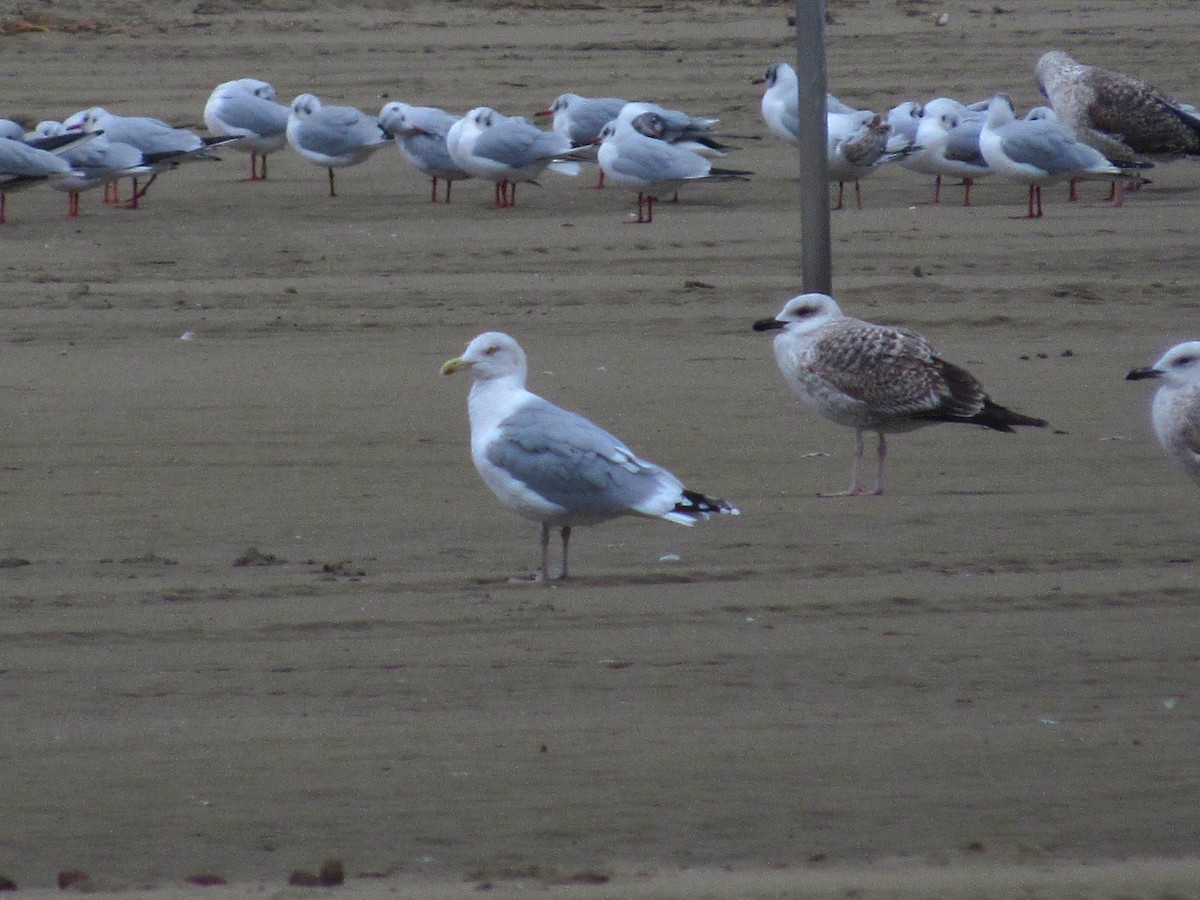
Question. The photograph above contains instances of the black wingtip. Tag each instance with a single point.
(696, 505)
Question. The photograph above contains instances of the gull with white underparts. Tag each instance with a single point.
(1040, 152)
(875, 378)
(581, 119)
(947, 145)
(507, 150)
(163, 144)
(1125, 118)
(632, 156)
(97, 161)
(556, 467)
(333, 137)
(780, 103)
(23, 166)
(856, 153)
(249, 110)
(1175, 412)
(420, 133)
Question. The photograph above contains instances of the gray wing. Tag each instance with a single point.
(1043, 145)
(150, 135)
(651, 160)
(22, 160)
(517, 143)
(572, 462)
(589, 117)
(251, 116)
(338, 130)
(962, 142)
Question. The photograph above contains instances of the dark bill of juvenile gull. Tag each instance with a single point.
(875, 378)
(1175, 412)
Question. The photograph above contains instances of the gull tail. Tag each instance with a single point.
(693, 506)
(1000, 418)
(739, 174)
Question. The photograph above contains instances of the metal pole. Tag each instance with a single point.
(815, 246)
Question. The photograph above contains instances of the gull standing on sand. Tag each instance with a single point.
(631, 155)
(947, 145)
(1123, 117)
(506, 150)
(1038, 152)
(580, 119)
(420, 133)
(248, 109)
(1176, 409)
(333, 136)
(554, 466)
(163, 145)
(874, 378)
(23, 166)
(95, 162)
(781, 103)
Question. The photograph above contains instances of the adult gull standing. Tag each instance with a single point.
(333, 136)
(554, 466)
(875, 378)
(420, 133)
(248, 109)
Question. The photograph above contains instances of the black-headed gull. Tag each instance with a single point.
(164, 145)
(874, 378)
(632, 155)
(1175, 412)
(95, 162)
(507, 150)
(1125, 118)
(580, 119)
(248, 109)
(23, 166)
(780, 104)
(1037, 153)
(333, 136)
(947, 145)
(420, 133)
(554, 466)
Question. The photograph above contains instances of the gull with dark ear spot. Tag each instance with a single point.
(333, 136)
(554, 466)
(1176, 409)
(875, 378)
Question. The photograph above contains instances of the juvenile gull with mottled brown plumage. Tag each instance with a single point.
(875, 378)
(1125, 118)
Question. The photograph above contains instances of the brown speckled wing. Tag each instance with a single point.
(891, 370)
(1139, 115)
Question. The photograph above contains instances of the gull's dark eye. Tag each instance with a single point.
(492, 350)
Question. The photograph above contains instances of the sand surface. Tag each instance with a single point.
(987, 675)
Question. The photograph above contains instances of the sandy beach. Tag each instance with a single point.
(259, 609)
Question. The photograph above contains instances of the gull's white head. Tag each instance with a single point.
(1178, 367)
(778, 73)
(394, 118)
(491, 355)
(801, 314)
(305, 105)
(1000, 110)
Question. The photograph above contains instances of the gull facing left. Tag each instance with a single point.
(875, 378)
(1176, 410)
(554, 466)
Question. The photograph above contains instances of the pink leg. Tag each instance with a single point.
(433, 190)
(967, 182)
(857, 195)
(856, 486)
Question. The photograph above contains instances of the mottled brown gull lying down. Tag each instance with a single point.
(1123, 117)
(1176, 409)
(874, 378)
